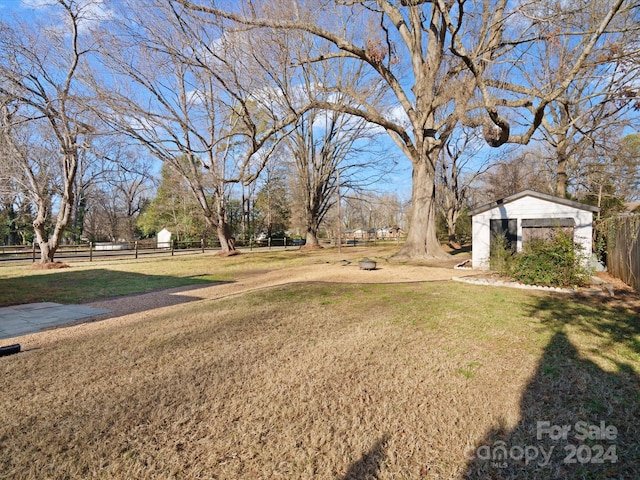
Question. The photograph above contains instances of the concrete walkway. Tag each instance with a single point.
(35, 317)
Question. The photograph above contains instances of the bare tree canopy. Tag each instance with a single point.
(599, 99)
(197, 97)
(459, 166)
(44, 119)
(215, 87)
(439, 63)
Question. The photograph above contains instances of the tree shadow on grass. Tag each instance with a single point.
(577, 419)
(90, 285)
(615, 320)
(368, 467)
(143, 302)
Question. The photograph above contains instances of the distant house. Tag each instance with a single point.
(164, 238)
(387, 232)
(524, 216)
(354, 234)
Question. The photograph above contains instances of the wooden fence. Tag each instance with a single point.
(623, 248)
(93, 251)
(97, 251)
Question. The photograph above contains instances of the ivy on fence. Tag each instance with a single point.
(617, 238)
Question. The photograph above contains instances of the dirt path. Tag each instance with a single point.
(340, 272)
(134, 308)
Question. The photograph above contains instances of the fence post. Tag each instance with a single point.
(269, 242)
(173, 246)
(136, 248)
(91, 251)
(285, 243)
(33, 254)
(202, 244)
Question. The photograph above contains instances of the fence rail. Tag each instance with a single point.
(93, 251)
(98, 250)
(623, 249)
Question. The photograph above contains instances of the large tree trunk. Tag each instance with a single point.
(562, 156)
(227, 242)
(422, 241)
(452, 220)
(49, 243)
(312, 218)
(223, 229)
(47, 249)
(561, 175)
(216, 217)
(311, 239)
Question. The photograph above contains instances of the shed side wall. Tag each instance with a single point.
(527, 208)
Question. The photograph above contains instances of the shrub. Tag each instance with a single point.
(555, 262)
(501, 258)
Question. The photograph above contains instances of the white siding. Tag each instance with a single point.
(527, 208)
(164, 238)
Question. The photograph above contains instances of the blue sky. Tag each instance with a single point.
(398, 181)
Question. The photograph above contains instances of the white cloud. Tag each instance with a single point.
(89, 12)
(36, 3)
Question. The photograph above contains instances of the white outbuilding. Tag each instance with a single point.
(164, 238)
(524, 216)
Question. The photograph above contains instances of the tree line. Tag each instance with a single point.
(226, 94)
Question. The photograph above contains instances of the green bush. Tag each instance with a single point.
(502, 258)
(555, 262)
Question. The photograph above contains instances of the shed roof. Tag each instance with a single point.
(531, 193)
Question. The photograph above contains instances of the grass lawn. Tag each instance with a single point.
(90, 281)
(333, 381)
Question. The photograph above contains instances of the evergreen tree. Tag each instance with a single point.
(272, 210)
(173, 208)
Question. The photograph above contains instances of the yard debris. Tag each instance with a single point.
(367, 264)
(9, 349)
(466, 265)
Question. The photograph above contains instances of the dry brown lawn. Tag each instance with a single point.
(284, 374)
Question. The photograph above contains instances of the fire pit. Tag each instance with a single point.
(367, 264)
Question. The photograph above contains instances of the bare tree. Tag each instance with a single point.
(43, 116)
(432, 59)
(271, 207)
(524, 170)
(609, 173)
(599, 99)
(192, 95)
(322, 142)
(323, 146)
(124, 189)
(460, 165)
